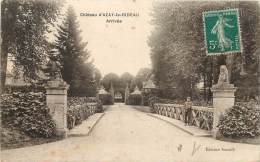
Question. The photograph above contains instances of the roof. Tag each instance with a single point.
(136, 91)
(102, 91)
(149, 85)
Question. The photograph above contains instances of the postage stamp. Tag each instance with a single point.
(222, 32)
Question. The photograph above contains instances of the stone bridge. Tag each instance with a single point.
(125, 134)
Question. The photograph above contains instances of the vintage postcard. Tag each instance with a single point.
(130, 81)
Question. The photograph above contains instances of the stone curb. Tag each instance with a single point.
(187, 129)
(88, 129)
(96, 123)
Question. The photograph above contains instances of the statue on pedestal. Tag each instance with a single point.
(223, 75)
(223, 98)
(53, 69)
(223, 80)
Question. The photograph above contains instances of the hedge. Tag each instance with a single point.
(242, 120)
(24, 88)
(106, 99)
(28, 112)
(78, 110)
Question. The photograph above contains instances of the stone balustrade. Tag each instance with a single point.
(201, 117)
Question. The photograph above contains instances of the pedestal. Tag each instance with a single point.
(223, 99)
(56, 98)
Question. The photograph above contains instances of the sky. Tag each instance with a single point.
(116, 47)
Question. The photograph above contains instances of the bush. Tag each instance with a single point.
(135, 99)
(106, 99)
(24, 88)
(99, 107)
(242, 120)
(151, 101)
(38, 125)
(28, 112)
(147, 96)
(99, 104)
(75, 116)
(73, 101)
(78, 110)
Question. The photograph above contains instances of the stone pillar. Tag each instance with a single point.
(223, 98)
(112, 92)
(56, 98)
(127, 92)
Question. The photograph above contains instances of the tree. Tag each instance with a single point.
(76, 69)
(98, 76)
(177, 45)
(24, 25)
(126, 78)
(111, 78)
(142, 75)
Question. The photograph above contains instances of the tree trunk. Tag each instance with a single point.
(229, 63)
(4, 56)
(210, 79)
(204, 87)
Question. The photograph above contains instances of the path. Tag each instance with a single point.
(127, 135)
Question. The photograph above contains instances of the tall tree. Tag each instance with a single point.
(142, 75)
(126, 78)
(97, 76)
(24, 24)
(76, 70)
(177, 45)
(111, 78)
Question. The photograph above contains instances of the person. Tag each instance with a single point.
(187, 106)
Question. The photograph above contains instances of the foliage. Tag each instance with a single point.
(75, 116)
(177, 47)
(141, 76)
(242, 120)
(147, 96)
(247, 88)
(28, 112)
(79, 110)
(76, 69)
(111, 79)
(118, 84)
(24, 89)
(126, 79)
(98, 76)
(100, 108)
(106, 99)
(24, 25)
(151, 101)
(135, 99)
(73, 101)
(155, 98)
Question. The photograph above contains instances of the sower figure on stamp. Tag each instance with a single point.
(187, 106)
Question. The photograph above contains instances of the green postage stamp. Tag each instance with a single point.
(222, 32)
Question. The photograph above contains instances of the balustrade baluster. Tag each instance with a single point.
(200, 116)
